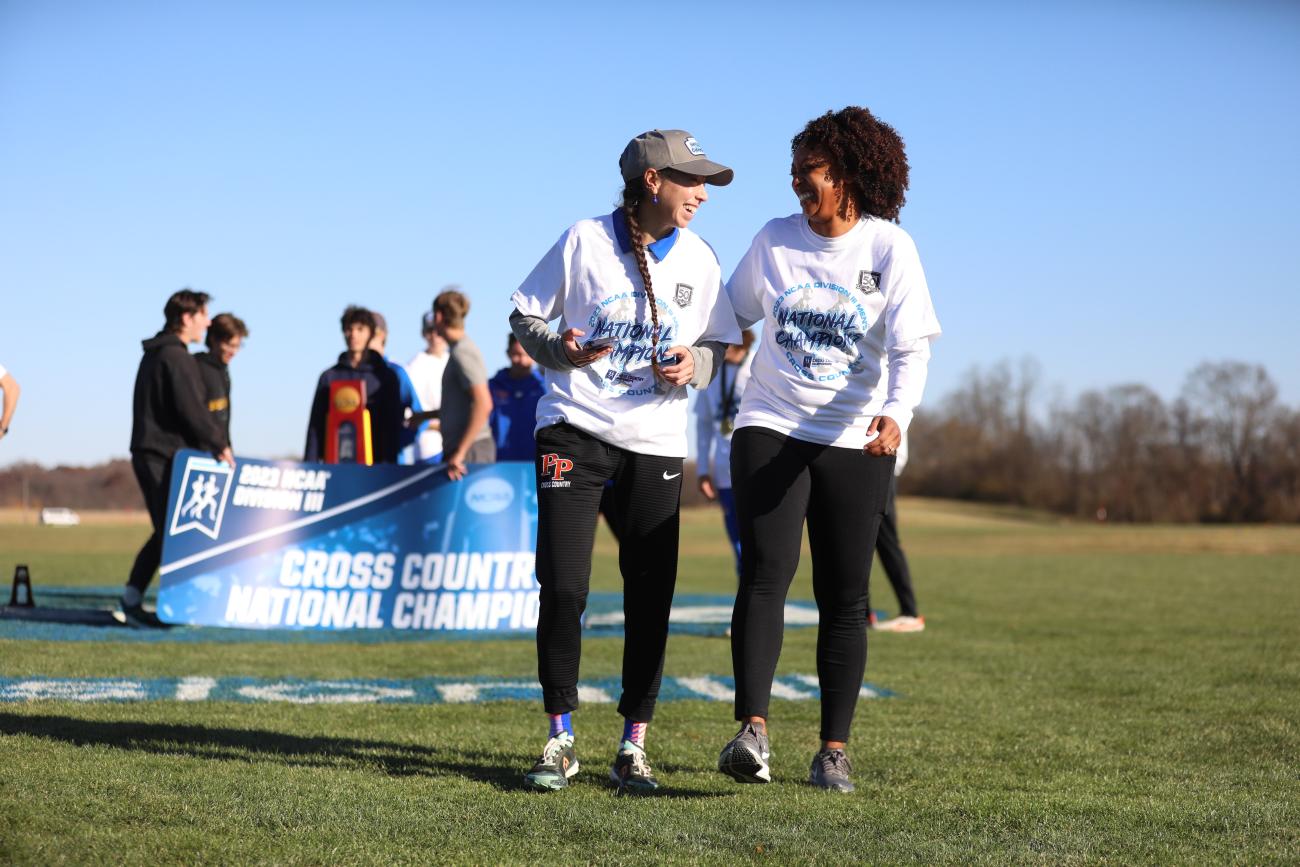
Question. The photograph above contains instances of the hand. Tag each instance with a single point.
(888, 440)
(456, 469)
(226, 456)
(707, 489)
(578, 356)
(681, 370)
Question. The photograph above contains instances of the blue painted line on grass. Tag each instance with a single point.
(426, 690)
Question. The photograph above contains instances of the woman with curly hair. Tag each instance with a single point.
(841, 365)
(642, 314)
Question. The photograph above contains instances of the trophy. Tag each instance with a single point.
(347, 427)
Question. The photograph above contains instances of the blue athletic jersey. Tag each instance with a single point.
(514, 414)
(411, 401)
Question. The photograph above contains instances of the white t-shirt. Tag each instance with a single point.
(425, 371)
(713, 444)
(848, 324)
(590, 282)
(2, 371)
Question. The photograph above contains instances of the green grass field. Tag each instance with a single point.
(1082, 694)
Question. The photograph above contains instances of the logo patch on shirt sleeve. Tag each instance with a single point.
(684, 295)
(868, 282)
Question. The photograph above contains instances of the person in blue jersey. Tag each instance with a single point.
(515, 392)
(642, 315)
(715, 419)
(408, 396)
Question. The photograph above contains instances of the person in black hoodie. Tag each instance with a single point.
(169, 413)
(383, 397)
(226, 335)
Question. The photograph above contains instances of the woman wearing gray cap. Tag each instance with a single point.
(642, 314)
(839, 368)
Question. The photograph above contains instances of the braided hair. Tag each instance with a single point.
(867, 159)
(634, 193)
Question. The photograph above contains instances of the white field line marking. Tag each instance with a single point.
(811, 680)
(271, 532)
(593, 695)
(708, 687)
(316, 692)
(195, 688)
(71, 690)
(784, 690)
(463, 693)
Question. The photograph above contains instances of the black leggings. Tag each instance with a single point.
(892, 558)
(154, 475)
(779, 481)
(572, 467)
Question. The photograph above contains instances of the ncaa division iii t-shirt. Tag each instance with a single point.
(832, 309)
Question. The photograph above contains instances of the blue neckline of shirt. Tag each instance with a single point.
(659, 249)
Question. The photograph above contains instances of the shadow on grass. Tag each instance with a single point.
(257, 745)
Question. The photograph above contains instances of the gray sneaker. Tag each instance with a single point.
(558, 764)
(830, 771)
(744, 759)
(631, 771)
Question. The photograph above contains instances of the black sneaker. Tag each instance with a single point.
(138, 617)
(830, 771)
(631, 771)
(745, 758)
(559, 762)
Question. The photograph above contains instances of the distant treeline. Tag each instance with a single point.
(107, 486)
(1224, 450)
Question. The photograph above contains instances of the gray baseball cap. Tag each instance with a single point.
(670, 149)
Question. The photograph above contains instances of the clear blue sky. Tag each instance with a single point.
(1110, 188)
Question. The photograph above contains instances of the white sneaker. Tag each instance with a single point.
(901, 624)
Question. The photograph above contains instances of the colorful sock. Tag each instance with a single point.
(560, 722)
(634, 732)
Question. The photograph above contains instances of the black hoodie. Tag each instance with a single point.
(216, 389)
(169, 412)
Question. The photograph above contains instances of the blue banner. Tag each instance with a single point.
(285, 545)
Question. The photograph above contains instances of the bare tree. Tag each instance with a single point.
(1235, 405)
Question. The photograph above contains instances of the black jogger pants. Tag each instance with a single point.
(572, 467)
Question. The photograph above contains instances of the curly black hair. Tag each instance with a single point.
(867, 159)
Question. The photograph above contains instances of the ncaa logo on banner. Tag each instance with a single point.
(201, 502)
(489, 496)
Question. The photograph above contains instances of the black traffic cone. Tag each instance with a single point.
(21, 596)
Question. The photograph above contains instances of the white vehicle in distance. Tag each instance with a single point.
(60, 516)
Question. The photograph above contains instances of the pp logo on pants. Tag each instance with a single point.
(556, 466)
